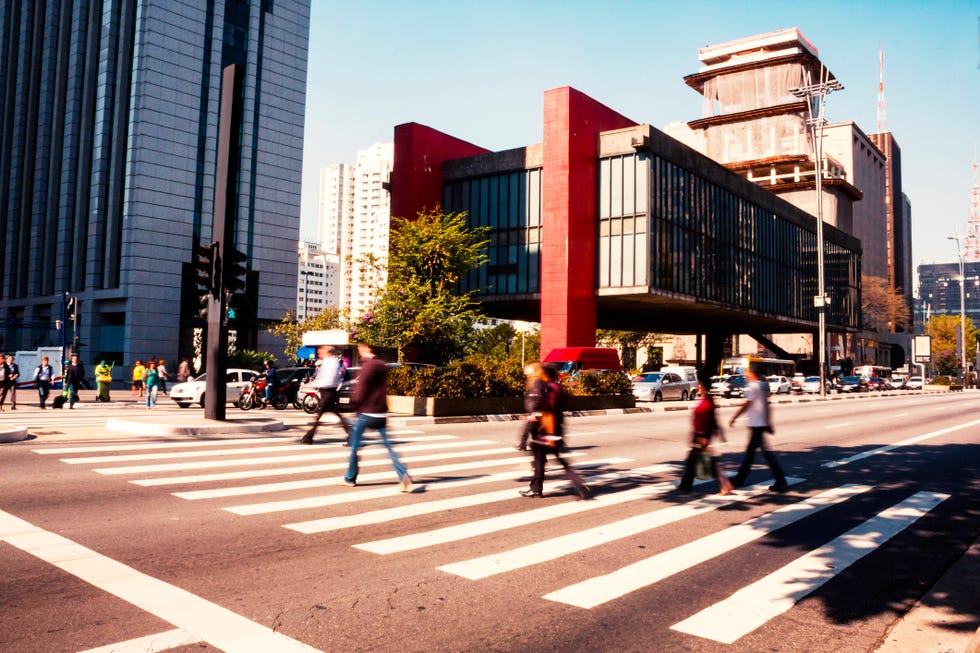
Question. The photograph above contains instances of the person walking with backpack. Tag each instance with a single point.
(545, 402)
(756, 405)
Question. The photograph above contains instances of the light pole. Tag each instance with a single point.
(959, 254)
(815, 96)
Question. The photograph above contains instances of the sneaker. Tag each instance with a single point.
(347, 483)
(306, 440)
(584, 492)
(779, 486)
(530, 494)
(406, 484)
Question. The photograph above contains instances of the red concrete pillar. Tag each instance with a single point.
(572, 123)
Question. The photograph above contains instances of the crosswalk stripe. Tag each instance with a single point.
(285, 486)
(173, 455)
(903, 443)
(365, 495)
(755, 604)
(261, 460)
(601, 589)
(154, 445)
(525, 518)
(412, 510)
(155, 643)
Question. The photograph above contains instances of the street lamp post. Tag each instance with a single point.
(815, 95)
(959, 254)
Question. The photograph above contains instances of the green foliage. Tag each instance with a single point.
(503, 342)
(292, 331)
(593, 382)
(945, 353)
(418, 312)
(941, 380)
(248, 359)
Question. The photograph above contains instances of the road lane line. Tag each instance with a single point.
(838, 426)
(495, 524)
(601, 589)
(350, 496)
(207, 621)
(903, 443)
(155, 643)
(417, 509)
(156, 445)
(173, 455)
(262, 460)
(284, 486)
(755, 604)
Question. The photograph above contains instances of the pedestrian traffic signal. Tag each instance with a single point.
(235, 271)
(72, 307)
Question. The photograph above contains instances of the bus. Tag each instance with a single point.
(871, 371)
(765, 366)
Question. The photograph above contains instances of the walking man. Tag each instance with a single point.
(43, 374)
(73, 379)
(757, 406)
(4, 374)
(327, 380)
(371, 401)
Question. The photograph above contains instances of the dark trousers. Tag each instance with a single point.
(327, 404)
(757, 440)
(690, 465)
(4, 389)
(43, 389)
(540, 453)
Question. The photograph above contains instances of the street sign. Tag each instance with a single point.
(922, 346)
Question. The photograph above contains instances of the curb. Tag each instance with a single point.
(13, 434)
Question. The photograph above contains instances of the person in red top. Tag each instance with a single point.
(705, 427)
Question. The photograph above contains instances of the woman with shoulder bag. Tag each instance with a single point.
(705, 427)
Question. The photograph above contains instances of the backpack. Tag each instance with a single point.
(3, 371)
(551, 407)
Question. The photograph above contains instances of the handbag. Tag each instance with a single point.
(548, 423)
(702, 466)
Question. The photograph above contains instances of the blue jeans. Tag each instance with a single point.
(151, 396)
(363, 423)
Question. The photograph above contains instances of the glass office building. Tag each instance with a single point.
(108, 142)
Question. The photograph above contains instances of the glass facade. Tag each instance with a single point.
(510, 204)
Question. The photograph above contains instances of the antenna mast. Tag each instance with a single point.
(882, 126)
(971, 241)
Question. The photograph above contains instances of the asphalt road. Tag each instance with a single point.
(247, 543)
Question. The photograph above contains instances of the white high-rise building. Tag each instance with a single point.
(355, 211)
(318, 280)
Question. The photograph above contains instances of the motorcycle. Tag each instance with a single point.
(309, 398)
(253, 395)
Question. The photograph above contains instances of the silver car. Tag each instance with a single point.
(657, 386)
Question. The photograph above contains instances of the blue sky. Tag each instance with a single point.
(478, 70)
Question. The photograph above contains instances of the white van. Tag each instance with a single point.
(688, 374)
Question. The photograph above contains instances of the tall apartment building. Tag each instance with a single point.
(355, 215)
(319, 280)
(108, 159)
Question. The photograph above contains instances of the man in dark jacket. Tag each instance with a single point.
(73, 379)
(370, 400)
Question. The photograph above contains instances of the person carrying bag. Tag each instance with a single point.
(705, 426)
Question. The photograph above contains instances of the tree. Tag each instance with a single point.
(419, 311)
(945, 352)
(504, 343)
(292, 331)
(883, 310)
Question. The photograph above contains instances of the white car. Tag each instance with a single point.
(811, 385)
(914, 383)
(779, 385)
(192, 392)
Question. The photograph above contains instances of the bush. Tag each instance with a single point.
(592, 383)
(249, 360)
(942, 380)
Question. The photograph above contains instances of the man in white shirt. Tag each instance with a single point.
(757, 406)
(329, 373)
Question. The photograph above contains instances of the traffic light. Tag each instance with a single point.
(235, 271)
(204, 267)
(72, 307)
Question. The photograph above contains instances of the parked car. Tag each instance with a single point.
(878, 383)
(192, 392)
(797, 382)
(853, 384)
(731, 386)
(811, 385)
(346, 388)
(898, 382)
(657, 386)
(779, 385)
(914, 383)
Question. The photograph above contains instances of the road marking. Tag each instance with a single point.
(325, 482)
(902, 415)
(150, 644)
(417, 509)
(503, 522)
(838, 426)
(207, 621)
(156, 445)
(903, 443)
(173, 455)
(754, 605)
(601, 589)
(261, 460)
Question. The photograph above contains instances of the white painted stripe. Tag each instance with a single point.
(149, 644)
(156, 445)
(208, 622)
(173, 455)
(903, 443)
(302, 469)
(902, 415)
(754, 605)
(350, 495)
(601, 589)
(414, 509)
(563, 545)
(503, 522)
(838, 426)
(262, 460)
(265, 488)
